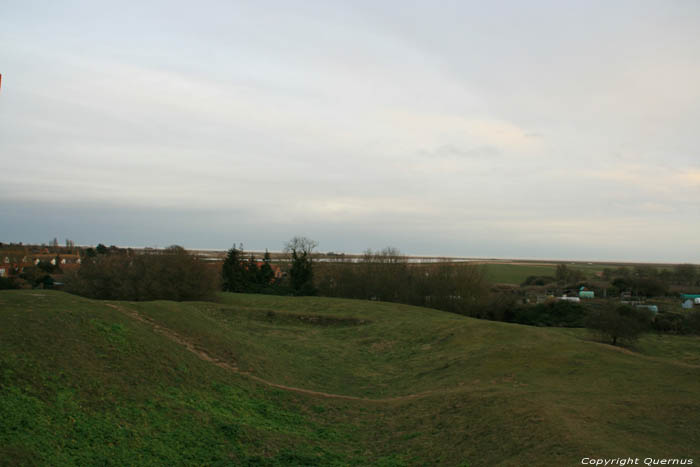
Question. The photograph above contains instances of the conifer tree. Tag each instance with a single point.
(267, 275)
(233, 272)
(252, 275)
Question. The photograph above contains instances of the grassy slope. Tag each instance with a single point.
(82, 383)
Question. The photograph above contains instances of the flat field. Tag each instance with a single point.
(265, 380)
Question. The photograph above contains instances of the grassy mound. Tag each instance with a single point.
(265, 380)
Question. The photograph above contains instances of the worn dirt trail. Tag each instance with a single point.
(206, 356)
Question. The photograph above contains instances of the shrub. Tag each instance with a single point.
(34, 276)
(8, 283)
(619, 324)
(538, 280)
(556, 313)
(678, 323)
(650, 287)
(693, 322)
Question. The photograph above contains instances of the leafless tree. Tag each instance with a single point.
(301, 246)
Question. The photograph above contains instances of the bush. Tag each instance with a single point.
(678, 323)
(49, 268)
(35, 276)
(8, 283)
(650, 287)
(619, 324)
(173, 274)
(556, 313)
(644, 286)
(493, 307)
(693, 322)
(538, 280)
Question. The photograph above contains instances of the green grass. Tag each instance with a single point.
(676, 349)
(82, 383)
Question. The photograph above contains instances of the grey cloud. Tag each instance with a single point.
(479, 133)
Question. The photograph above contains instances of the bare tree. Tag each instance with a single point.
(301, 272)
(301, 246)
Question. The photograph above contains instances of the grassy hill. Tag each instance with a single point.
(264, 380)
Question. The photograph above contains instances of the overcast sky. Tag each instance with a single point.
(491, 129)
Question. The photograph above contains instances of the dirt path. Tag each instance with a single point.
(232, 367)
(175, 337)
(206, 356)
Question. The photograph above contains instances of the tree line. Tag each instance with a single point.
(640, 280)
(170, 274)
(387, 275)
(384, 275)
(247, 275)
